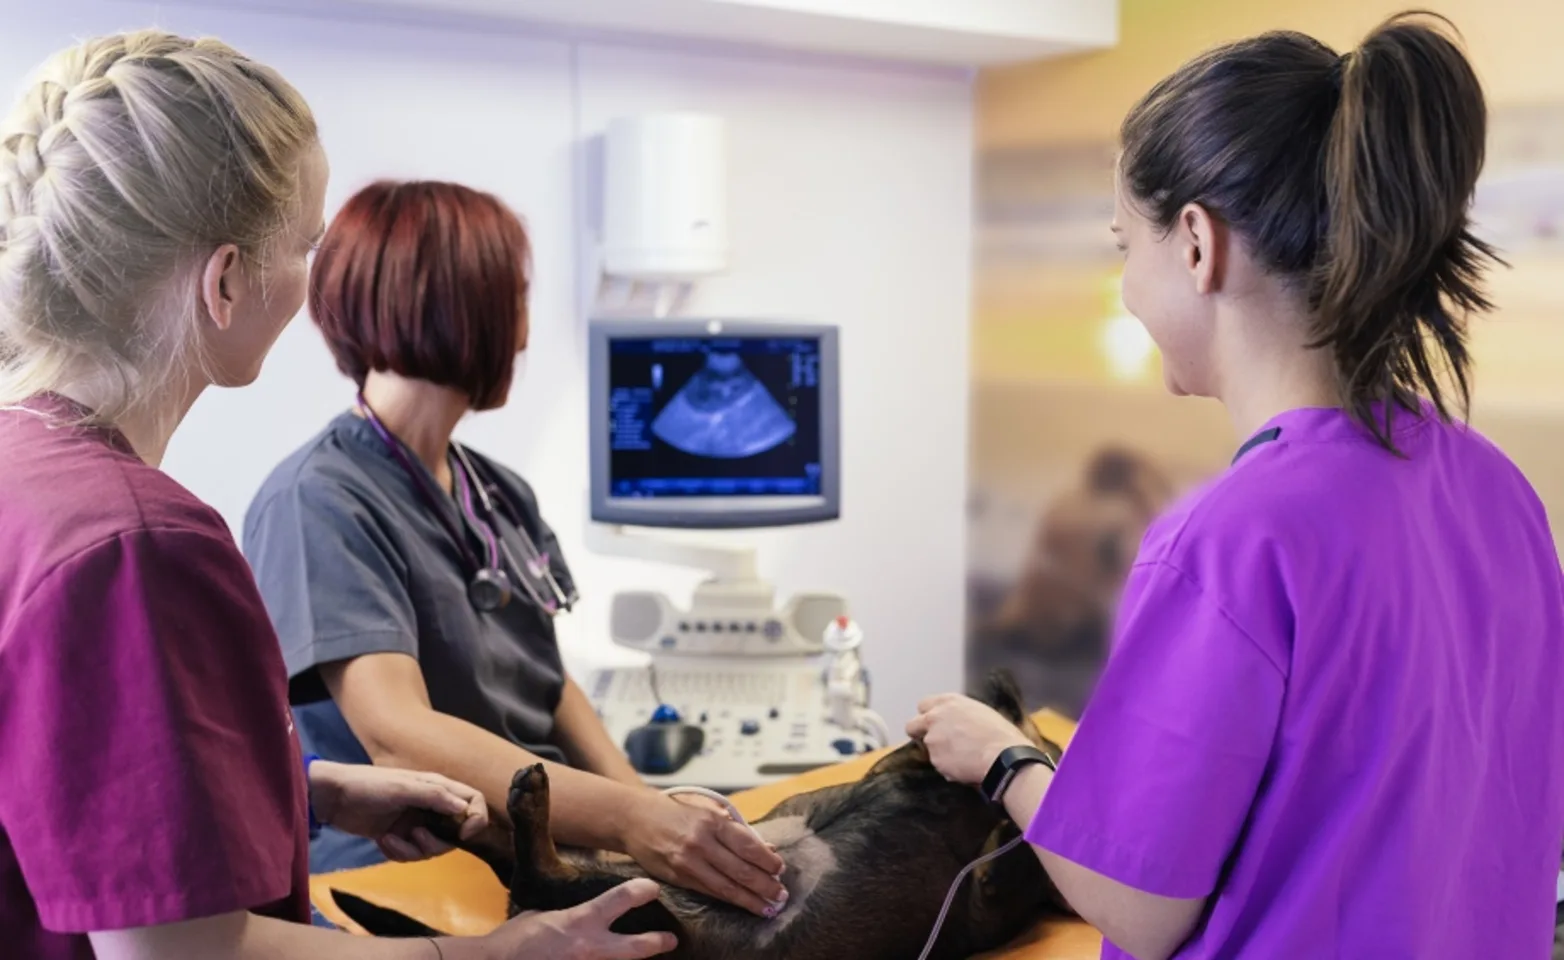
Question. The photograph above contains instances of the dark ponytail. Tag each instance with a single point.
(1401, 268)
(1351, 176)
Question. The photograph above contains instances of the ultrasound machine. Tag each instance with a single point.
(699, 425)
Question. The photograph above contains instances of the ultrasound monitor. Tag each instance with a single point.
(710, 424)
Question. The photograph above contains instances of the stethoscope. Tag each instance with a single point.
(490, 588)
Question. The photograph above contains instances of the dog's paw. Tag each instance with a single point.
(528, 793)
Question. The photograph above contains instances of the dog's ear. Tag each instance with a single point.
(1003, 694)
(911, 755)
(380, 921)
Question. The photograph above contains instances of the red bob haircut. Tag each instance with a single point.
(427, 281)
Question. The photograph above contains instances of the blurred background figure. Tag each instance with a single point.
(1051, 624)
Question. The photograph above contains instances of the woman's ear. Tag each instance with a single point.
(1202, 237)
(221, 285)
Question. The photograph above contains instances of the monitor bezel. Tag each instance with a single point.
(713, 513)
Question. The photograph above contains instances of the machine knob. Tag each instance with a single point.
(844, 746)
(665, 713)
(749, 727)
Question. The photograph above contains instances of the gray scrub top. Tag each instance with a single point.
(351, 560)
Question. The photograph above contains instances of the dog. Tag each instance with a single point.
(868, 868)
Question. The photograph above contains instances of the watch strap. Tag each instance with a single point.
(1007, 764)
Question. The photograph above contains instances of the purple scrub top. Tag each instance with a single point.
(149, 773)
(1335, 705)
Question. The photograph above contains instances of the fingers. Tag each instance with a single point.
(640, 945)
(585, 931)
(444, 795)
(427, 843)
(754, 851)
(726, 860)
(397, 849)
(928, 709)
(717, 856)
(419, 793)
(765, 893)
(474, 812)
(476, 817)
(406, 839)
(932, 708)
(929, 703)
(618, 901)
(702, 874)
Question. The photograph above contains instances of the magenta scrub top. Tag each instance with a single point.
(1335, 706)
(148, 768)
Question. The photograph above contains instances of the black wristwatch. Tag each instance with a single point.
(1007, 765)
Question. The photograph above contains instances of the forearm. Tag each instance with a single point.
(1150, 927)
(589, 811)
(244, 936)
(1025, 793)
(585, 740)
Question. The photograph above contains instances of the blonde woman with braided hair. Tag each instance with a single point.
(159, 199)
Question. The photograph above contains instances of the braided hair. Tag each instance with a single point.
(127, 161)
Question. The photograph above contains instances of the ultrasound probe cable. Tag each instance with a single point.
(717, 798)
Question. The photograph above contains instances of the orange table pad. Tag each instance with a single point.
(457, 893)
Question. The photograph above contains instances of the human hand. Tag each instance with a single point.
(703, 802)
(389, 806)
(695, 845)
(962, 736)
(581, 933)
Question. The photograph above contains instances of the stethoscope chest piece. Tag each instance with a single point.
(489, 589)
(491, 586)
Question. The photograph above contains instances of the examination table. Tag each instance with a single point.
(459, 894)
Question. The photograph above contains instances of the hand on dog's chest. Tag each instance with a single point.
(809, 861)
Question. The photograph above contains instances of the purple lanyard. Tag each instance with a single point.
(485, 530)
(498, 555)
(420, 480)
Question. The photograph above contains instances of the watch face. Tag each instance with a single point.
(1004, 783)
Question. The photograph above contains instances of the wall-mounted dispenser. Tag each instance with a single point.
(665, 209)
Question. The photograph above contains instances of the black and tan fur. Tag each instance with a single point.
(868, 867)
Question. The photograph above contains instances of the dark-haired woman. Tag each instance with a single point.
(1330, 726)
(413, 582)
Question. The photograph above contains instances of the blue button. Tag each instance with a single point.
(844, 746)
(749, 727)
(665, 714)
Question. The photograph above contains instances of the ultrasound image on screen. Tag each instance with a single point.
(714, 416)
(723, 411)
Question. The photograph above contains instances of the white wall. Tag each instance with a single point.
(850, 205)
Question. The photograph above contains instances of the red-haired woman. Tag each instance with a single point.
(413, 582)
